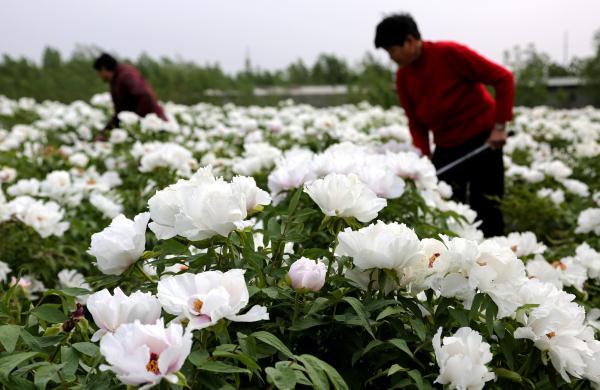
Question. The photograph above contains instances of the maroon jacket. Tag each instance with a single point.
(443, 91)
(131, 92)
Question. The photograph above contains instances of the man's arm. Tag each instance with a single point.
(419, 132)
(474, 67)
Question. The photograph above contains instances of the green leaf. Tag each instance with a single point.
(361, 312)
(371, 345)
(508, 374)
(395, 368)
(460, 316)
(319, 304)
(274, 229)
(283, 378)
(306, 323)
(224, 368)
(8, 363)
(416, 376)
(40, 342)
(271, 292)
(389, 311)
(89, 349)
(507, 347)
(335, 378)
(15, 382)
(477, 301)
(294, 201)
(70, 359)
(50, 313)
(9, 335)
(45, 374)
(247, 360)
(491, 310)
(419, 328)
(75, 291)
(401, 345)
(315, 372)
(273, 341)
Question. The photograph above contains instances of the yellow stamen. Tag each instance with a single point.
(514, 248)
(152, 365)
(558, 264)
(551, 334)
(198, 305)
(432, 259)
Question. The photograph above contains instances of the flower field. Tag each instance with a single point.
(289, 246)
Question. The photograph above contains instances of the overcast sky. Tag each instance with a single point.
(274, 33)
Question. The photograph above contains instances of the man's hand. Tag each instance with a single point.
(497, 137)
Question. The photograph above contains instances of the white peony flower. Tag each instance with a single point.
(462, 359)
(572, 273)
(576, 187)
(556, 196)
(7, 175)
(523, 244)
(499, 273)
(118, 136)
(540, 269)
(79, 160)
(381, 180)
(255, 197)
(209, 210)
(207, 297)
(4, 271)
(24, 187)
(451, 265)
(556, 325)
(120, 244)
(110, 311)
(108, 207)
(588, 221)
(144, 354)
(169, 155)
(128, 118)
(590, 259)
(380, 245)
(307, 274)
(292, 171)
(345, 196)
(45, 218)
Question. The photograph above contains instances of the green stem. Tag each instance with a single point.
(139, 266)
(296, 308)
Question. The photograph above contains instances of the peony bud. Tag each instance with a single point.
(307, 274)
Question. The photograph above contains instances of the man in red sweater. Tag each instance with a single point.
(441, 86)
(129, 90)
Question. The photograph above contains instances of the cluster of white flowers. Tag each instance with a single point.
(459, 268)
(45, 217)
(204, 206)
(133, 337)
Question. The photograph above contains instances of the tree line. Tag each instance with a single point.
(72, 78)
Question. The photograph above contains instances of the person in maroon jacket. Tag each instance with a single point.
(442, 88)
(128, 89)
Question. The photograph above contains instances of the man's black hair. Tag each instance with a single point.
(394, 29)
(105, 61)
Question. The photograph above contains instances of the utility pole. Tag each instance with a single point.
(566, 48)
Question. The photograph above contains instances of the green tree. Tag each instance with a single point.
(590, 73)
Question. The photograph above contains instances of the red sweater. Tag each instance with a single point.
(443, 91)
(131, 92)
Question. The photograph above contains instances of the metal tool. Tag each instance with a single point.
(462, 159)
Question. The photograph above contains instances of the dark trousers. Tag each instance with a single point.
(475, 180)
